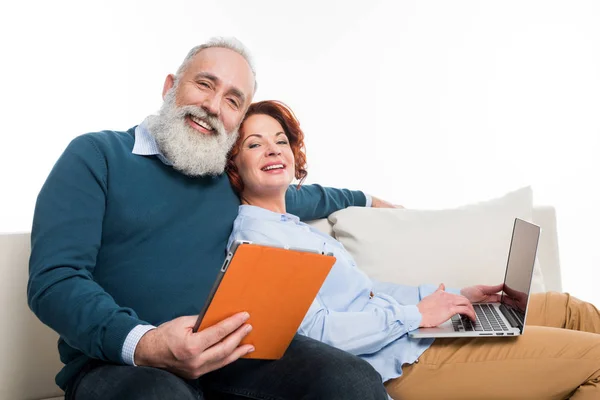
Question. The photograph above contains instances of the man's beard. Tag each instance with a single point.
(190, 151)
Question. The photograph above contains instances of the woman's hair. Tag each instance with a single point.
(291, 127)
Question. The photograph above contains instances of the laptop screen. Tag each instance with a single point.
(519, 270)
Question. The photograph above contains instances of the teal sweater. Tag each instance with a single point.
(120, 239)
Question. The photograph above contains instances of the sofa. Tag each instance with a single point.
(30, 360)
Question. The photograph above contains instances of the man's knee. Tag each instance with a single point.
(133, 383)
(308, 370)
(155, 384)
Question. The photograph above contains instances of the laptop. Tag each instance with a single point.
(507, 318)
(275, 285)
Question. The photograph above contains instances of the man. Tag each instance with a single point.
(129, 232)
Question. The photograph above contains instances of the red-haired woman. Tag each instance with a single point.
(371, 319)
(267, 123)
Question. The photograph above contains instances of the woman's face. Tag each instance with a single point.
(265, 161)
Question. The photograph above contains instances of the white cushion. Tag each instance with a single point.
(459, 247)
(28, 353)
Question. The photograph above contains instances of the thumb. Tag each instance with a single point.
(187, 320)
(493, 289)
(441, 288)
(494, 298)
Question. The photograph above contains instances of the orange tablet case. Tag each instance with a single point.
(275, 286)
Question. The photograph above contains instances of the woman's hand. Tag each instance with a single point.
(482, 293)
(440, 306)
(378, 203)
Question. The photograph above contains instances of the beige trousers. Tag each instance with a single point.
(558, 357)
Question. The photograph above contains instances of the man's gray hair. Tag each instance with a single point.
(230, 43)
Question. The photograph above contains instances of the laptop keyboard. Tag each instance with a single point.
(488, 319)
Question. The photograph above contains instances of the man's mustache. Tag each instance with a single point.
(200, 112)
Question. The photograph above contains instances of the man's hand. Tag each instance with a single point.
(174, 347)
(439, 306)
(378, 203)
(482, 293)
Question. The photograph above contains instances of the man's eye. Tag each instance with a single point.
(204, 84)
(234, 103)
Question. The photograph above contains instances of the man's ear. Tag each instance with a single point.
(169, 83)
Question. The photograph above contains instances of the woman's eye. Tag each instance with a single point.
(253, 145)
(282, 142)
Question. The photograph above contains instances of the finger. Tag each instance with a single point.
(465, 310)
(214, 334)
(491, 289)
(227, 346)
(462, 301)
(494, 298)
(212, 366)
(459, 300)
(441, 288)
(187, 321)
(471, 309)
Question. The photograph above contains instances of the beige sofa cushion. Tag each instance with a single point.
(459, 247)
(28, 355)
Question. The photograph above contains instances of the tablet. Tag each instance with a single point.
(276, 286)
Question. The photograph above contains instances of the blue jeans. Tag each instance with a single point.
(308, 370)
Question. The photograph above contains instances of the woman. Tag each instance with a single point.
(371, 319)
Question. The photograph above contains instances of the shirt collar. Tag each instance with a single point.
(145, 144)
(262, 213)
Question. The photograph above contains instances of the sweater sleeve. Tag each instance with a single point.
(65, 240)
(315, 201)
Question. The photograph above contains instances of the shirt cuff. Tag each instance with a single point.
(131, 341)
(412, 317)
(369, 202)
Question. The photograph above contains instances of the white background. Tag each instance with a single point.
(430, 104)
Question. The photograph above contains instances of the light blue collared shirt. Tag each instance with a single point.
(145, 145)
(344, 314)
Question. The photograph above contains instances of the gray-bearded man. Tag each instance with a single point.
(129, 232)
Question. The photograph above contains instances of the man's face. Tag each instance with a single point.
(220, 81)
(202, 109)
